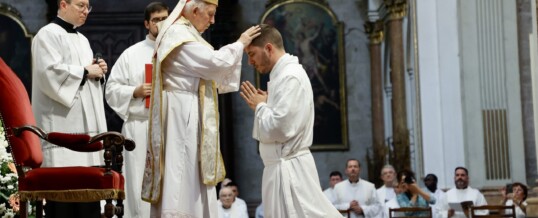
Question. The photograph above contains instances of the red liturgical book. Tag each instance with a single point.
(149, 68)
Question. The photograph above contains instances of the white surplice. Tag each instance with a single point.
(439, 195)
(127, 73)
(235, 211)
(364, 192)
(385, 194)
(59, 103)
(284, 128)
(330, 194)
(188, 58)
(458, 195)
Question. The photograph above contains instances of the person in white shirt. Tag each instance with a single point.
(334, 178)
(284, 126)
(238, 201)
(125, 92)
(357, 194)
(227, 205)
(517, 197)
(392, 203)
(462, 192)
(430, 181)
(386, 192)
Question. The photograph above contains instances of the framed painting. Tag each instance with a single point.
(312, 32)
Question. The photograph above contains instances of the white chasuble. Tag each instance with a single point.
(59, 102)
(184, 163)
(284, 127)
(127, 73)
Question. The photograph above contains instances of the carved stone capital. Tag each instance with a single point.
(396, 9)
(374, 31)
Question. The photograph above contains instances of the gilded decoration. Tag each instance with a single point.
(374, 31)
(397, 9)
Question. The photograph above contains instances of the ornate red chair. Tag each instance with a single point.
(63, 184)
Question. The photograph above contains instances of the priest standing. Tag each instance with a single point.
(126, 92)
(284, 126)
(67, 94)
(183, 161)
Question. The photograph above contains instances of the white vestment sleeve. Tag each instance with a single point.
(118, 92)
(374, 208)
(339, 204)
(282, 121)
(442, 207)
(222, 66)
(59, 81)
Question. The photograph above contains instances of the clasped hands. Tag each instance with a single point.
(251, 95)
(355, 207)
(97, 69)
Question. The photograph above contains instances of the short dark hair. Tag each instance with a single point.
(524, 187)
(352, 159)
(152, 8)
(462, 168)
(409, 176)
(335, 173)
(431, 175)
(268, 34)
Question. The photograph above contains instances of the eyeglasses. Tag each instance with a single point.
(156, 20)
(81, 7)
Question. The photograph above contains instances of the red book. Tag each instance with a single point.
(149, 68)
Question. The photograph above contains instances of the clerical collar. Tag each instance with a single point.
(70, 28)
(354, 182)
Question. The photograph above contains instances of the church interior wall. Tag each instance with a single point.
(248, 167)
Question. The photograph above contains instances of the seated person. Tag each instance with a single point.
(334, 178)
(227, 207)
(518, 197)
(392, 203)
(461, 193)
(386, 192)
(238, 201)
(412, 195)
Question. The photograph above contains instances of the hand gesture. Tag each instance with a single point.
(251, 95)
(94, 71)
(249, 34)
(102, 64)
(355, 207)
(142, 91)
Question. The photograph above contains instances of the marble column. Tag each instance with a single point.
(376, 36)
(397, 10)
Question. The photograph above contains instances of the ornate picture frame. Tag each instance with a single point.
(16, 42)
(312, 32)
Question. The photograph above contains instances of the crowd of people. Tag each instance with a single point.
(177, 164)
(402, 189)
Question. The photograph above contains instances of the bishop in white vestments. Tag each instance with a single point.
(183, 161)
(126, 92)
